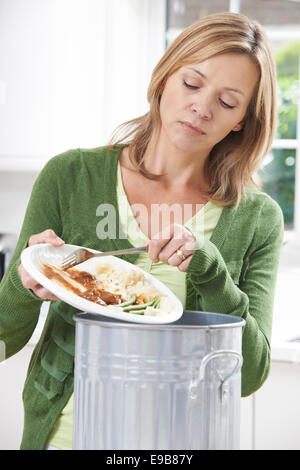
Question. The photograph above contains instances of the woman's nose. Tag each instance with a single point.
(203, 109)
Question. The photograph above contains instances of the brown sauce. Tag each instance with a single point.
(90, 289)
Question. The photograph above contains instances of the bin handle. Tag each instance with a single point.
(224, 384)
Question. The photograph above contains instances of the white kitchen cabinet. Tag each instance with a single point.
(270, 418)
(246, 423)
(85, 67)
(277, 409)
(276, 406)
(12, 378)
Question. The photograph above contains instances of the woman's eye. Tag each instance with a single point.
(188, 85)
(194, 87)
(226, 105)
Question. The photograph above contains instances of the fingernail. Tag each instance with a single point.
(59, 240)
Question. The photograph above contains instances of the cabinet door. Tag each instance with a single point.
(277, 409)
(246, 426)
(12, 378)
(71, 71)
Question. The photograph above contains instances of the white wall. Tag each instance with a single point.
(15, 189)
(71, 70)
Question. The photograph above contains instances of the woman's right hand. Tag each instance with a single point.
(48, 236)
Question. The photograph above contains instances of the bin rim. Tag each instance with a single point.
(108, 322)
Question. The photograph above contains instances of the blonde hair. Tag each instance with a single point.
(232, 163)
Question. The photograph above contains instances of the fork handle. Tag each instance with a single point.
(140, 249)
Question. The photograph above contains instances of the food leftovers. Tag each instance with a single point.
(107, 285)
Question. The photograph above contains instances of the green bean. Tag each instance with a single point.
(156, 302)
(139, 306)
(129, 302)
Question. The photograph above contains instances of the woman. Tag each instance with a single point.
(210, 122)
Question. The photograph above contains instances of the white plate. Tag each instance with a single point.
(35, 256)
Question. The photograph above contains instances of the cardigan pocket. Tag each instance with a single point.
(57, 360)
(48, 386)
(235, 269)
(55, 368)
(63, 335)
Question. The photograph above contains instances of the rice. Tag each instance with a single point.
(125, 283)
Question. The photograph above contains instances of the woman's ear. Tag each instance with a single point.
(238, 126)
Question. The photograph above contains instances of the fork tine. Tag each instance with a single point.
(74, 258)
(68, 259)
(68, 266)
(68, 263)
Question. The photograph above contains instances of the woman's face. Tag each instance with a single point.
(202, 103)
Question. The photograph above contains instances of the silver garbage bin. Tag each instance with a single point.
(158, 387)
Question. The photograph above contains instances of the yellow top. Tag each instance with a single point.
(202, 223)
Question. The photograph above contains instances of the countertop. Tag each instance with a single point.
(285, 343)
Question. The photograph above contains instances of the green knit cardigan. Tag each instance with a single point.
(232, 273)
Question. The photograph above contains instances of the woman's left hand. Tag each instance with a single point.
(175, 245)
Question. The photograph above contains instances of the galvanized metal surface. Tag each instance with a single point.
(157, 387)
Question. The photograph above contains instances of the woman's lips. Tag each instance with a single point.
(189, 129)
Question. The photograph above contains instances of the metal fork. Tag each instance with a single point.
(82, 254)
